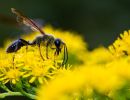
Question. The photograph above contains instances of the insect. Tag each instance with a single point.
(48, 39)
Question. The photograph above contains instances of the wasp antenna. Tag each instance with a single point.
(40, 52)
(65, 55)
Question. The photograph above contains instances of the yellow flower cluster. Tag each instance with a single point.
(100, 74)
(27, 64)
(121, 46)
(105, 75)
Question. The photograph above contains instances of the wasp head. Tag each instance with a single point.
(58, 43)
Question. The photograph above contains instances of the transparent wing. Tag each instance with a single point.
(26, 21)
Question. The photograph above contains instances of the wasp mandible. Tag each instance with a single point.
(49, 39)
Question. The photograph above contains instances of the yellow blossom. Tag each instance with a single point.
(100, 55)
(102, 72)
(122, 45)
(10, 74)
(95, 77)
(38, 72)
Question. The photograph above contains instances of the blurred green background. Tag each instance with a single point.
(99, 21)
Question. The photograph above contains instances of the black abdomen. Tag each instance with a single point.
(15, 46)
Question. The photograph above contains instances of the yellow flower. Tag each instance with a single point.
(38, 72)
(122, 45)
(100, 55)
(10, 74)
(83, 79)
(34, 68)
(30, 66)
(62, 70)
(5, 59)
(93, 73)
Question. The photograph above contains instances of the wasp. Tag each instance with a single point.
(47, 39)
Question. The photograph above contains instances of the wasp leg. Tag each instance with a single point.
(40, 52)
(16, 48)
(66, 54)
(13, 59)
(47, 50)
(49, 42)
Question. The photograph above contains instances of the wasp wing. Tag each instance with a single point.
(26, 21)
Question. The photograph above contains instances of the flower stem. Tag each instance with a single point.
(31, 96)
(3, 95)
(24, 93)
(4, 87)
